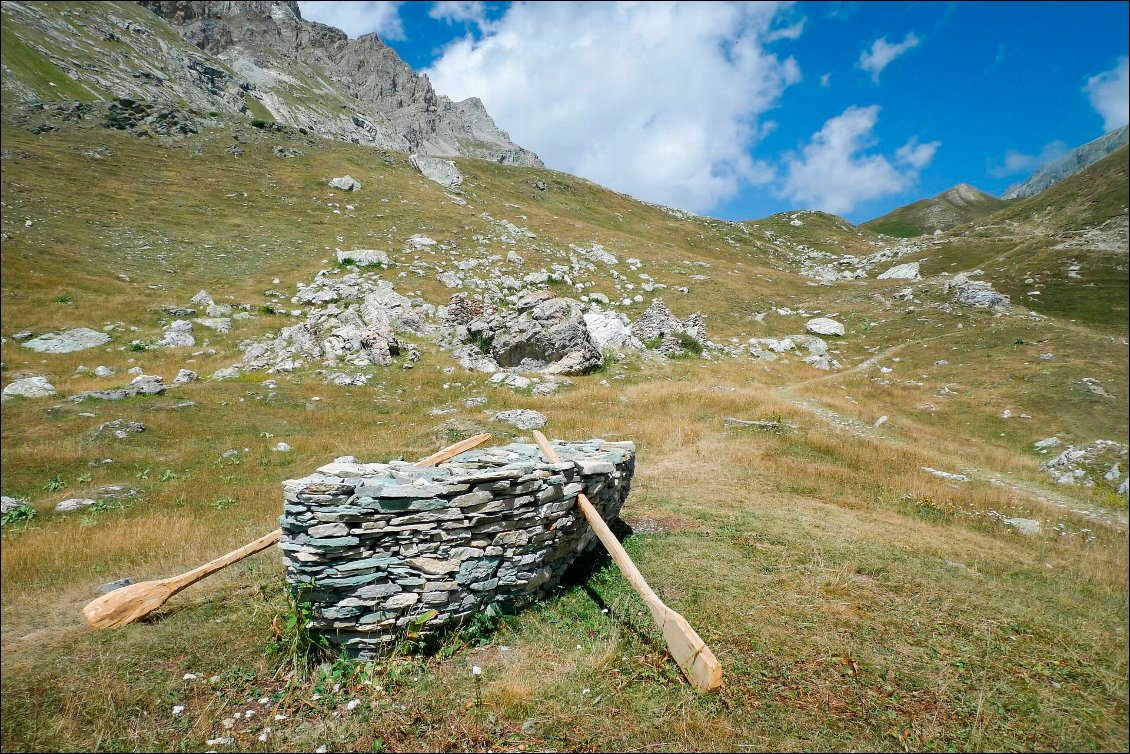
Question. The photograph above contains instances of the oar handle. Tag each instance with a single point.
(687, 647)
(191, 577)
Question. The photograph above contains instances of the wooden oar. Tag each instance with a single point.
(129, 603)
(687, 647)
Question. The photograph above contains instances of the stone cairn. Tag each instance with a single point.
(373, 546)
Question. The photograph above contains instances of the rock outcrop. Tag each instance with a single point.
(314, 76)
(543, 334)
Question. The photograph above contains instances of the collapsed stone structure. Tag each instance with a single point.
(375, 546)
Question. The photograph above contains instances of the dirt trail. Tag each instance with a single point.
(1030, 491)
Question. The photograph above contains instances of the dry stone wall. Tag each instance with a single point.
(374, 546)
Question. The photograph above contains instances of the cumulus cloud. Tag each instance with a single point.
(459, 12)
(1017, 162)
(659, 101)
(883, 53)
(1110, 95)
(358, 18)
(834, 173)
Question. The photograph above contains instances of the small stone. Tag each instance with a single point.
(185, 375)
(111, 586)
(1024, 525)
(345, 183)
(74, 504)
(522, 418)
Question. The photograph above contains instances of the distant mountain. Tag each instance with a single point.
(261, 60)
(960, 205)
(1069, 164)
(1093, 199)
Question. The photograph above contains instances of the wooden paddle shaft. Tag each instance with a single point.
(687, 647)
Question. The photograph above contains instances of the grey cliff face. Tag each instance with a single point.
(312, 75)
(1070, 164)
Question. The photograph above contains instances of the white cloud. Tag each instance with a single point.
(1110, 95)
(1017, 162)
(659, 101)
(917, 155)
(826, 80)
(883, 53)
(357, 18)
(833, 172)
(459, 11)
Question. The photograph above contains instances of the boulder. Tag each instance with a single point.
(185, 375)
(824, 326)
(545, 335)
(30, 387)
(345, 183)
(1024, 525)
(11, 503)
(363, 257)
(610, 329)
(443, 172)
(977, 293)
(78, 339)
(177, 334)
(908, 271)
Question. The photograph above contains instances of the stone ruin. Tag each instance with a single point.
(375, 546)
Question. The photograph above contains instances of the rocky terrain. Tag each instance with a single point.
(259, 59)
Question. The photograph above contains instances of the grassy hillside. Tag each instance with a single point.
(855, 600)
(958, 206)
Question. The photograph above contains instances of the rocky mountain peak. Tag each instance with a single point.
(185, 11)
(306, 73)
(964, 194)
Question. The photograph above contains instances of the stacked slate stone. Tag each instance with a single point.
(374, 547)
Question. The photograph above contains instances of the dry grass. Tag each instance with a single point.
(854, 601)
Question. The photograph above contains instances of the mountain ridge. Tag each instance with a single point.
(1071, 163)
(955, 206)
(255, 59)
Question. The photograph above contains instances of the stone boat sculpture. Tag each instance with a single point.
(375, 546)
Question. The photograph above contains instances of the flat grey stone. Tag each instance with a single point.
(111, 586)
(68, 341)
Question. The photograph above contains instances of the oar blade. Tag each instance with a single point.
(127, 604)
(690, 652)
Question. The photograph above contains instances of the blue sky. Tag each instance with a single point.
(741, 110)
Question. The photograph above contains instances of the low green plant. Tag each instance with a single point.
(297, 649)
(55, 483)
(19, 514)
(223, 503)
(64, 299)
(136, 347)
(689, 344)
(481, 341)
(415, 638)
